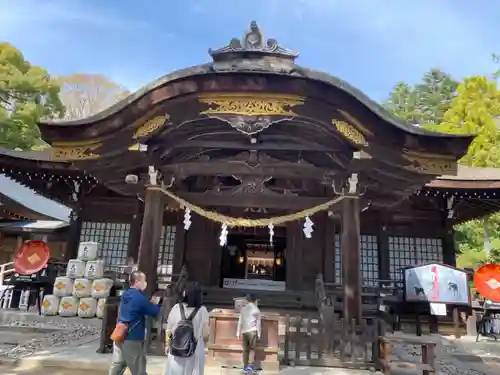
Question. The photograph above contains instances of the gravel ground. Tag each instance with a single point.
(61, 333)
(13, 370)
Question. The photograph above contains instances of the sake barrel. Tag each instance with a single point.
(101, 288)
(87, 307)
(68, 306)
(82, 288)
(63, 286)
(76, 268)
(88, 251)
(50, 305)
(94, 269)
(101, 302)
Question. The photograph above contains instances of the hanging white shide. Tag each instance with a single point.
(308, 227)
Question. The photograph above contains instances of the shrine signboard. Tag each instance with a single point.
(436, 283)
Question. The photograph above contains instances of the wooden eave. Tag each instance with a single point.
(350, 105)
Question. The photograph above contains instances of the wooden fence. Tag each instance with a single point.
(309, 341)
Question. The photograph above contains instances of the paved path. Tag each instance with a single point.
(452, 357)
(76, 355)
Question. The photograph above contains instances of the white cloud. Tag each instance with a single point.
(38, 20)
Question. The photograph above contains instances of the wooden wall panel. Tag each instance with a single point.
(201, 243)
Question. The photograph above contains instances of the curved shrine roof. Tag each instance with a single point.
(257, 62)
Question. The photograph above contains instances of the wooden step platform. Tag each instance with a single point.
(286, 300)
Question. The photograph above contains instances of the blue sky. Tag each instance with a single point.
(370, 44)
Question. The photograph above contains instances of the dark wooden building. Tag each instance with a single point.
(254, 135)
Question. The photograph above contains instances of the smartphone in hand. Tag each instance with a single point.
(155, 299)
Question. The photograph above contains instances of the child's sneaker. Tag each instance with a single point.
(251, 369)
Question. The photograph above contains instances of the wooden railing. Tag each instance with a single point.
(331, 340)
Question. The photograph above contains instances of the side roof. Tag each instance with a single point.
(23, 201)
(468, 177)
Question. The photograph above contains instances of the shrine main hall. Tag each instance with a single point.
(256, 173)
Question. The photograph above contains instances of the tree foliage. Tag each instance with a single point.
(471, 107)
(84, 95)
(27, 93)
(475, 110)
(424, 103)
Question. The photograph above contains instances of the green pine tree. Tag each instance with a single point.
(27, 93)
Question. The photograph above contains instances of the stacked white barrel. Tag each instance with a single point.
(83, 291)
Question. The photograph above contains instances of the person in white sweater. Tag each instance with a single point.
(249, 328)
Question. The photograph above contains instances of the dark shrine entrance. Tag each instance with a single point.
(251, 262)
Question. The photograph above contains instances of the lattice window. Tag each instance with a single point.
(113, 238)
(167, 240)
(369, 259)
(409, 251)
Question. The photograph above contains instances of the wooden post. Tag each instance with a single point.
(135, 231)
(456, 323)
(351, 259)
(149, 243)
(179, 244)
(75, 226)
(383, 247)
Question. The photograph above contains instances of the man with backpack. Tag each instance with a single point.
(128, 336)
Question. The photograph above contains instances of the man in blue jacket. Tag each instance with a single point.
(134, 307)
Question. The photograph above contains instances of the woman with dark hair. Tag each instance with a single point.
(190, 308)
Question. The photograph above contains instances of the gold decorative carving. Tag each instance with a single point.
(350, 132)
(81, 152)
(355, 121)
(150, 126)
(431, 163)
(253, 104)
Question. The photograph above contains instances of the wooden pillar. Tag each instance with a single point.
(383, 247)
(312, 254)
(75, 227)
(179, 244)
(293, 255)
(201, 243)
(449, 245)
(135, 231)
(351, 259)
(149, 243)
(216, 260)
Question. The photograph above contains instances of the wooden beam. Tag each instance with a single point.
(264, 146)
(225, 168)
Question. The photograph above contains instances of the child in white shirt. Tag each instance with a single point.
(249, 327)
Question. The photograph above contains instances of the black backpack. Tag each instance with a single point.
(183, 343)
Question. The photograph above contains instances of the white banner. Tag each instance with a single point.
(254, 284)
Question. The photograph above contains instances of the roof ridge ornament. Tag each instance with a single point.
(252, 44)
